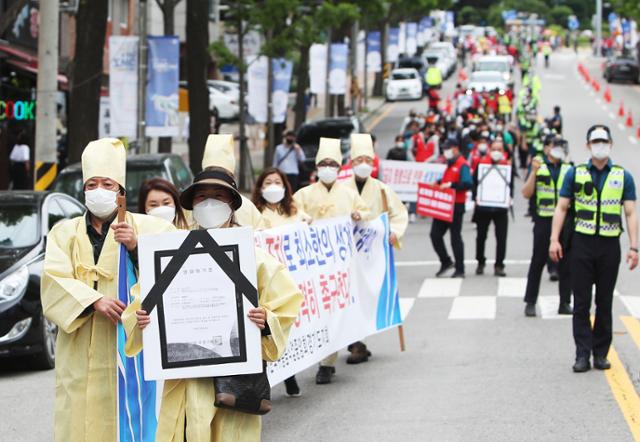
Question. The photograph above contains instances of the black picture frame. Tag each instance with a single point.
(242, 344)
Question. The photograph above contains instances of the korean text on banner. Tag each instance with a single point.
(347, 276)
(436, 203)
(162, 87)
(338, 68)
(393, 50)
(123, 83)
(317, 68)
(403, 176)
(374, 56)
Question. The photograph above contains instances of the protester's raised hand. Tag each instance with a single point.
(109, 308)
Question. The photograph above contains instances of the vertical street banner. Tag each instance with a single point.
(338, 68)
(282, 70)
(162, 87)
(412, 35)
(347, 276)
(104, 118)
(404, 176)
(317, 68)
(434, 202)
(257, 87)
(360, 55)
(123, 83)
(393, 49)
(374, 56)
(402, 39)
(137, 398)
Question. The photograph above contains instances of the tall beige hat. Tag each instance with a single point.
(106, 158)
(220, 152)
(329, 148)
(361, 145)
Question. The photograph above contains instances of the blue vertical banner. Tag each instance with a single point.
(393, 49)
(137, 421)
(338, 68)
(282, 70)
(412, 35)
(374, 56)
(161, 111)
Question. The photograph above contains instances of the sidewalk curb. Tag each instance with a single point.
(365, 117)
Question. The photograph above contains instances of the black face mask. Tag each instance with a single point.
(290, 141)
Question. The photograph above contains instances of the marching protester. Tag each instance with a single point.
(327, 199)
(159, 197)
(456, 176)
(485, 215)
(220, 152)
(600, 191)
(543, 186)
(273, 197)
(79, 295)
(187, 411)
(379, 198)
(288, 157)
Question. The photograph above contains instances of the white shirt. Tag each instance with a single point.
(20, 153)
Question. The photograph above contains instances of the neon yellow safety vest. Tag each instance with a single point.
(504, 105)
(433, 76)
(598, 213)
(547, 190)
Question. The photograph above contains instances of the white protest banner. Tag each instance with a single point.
(412, 42)
(282, 70)
(494, 181)
(317, 68)
(347, 276)
(123, 84)
(338, 68)
(199, 325)
(403, 176)
(257, 87)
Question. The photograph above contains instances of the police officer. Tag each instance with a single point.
(542, 187)
(433, 76)
(600, 191)
(456, 176)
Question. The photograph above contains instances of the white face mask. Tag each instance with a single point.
(482, 147)
(496, 155)
(327, 174)
(101, 202)
(557, 153)
(273, 193)
(600, 151)
(211, 213)
(363, 170)
(167, 213)
(448, 154)
(399, 144)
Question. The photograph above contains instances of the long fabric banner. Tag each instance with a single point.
(162, 87)
(347, 276)
(123, 83)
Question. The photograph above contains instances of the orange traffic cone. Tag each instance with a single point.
(607, 95)
(621, 109)
(629, 119)
(447, 105)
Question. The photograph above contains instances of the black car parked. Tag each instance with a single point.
(139, 169)
(25, 219)
(309, 135)
(622, 68)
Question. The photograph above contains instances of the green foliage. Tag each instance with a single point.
(559, 14)
(628, 8)
(223, 55)
(471, 15)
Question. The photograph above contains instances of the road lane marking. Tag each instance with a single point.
(604, 108)
(620, 126)
(466, 261)
(632, 303)
(406, 304)
(380, 117)
(473, 307)
(633, 327)
(512, 287)
(613, 117)
(598, 100)
(632, 140)
(549, 307)
(440, 288)
(624, 392)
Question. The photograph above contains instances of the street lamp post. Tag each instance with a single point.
(142, 75)
(598, 28)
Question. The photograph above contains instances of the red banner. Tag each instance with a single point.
(435, 202)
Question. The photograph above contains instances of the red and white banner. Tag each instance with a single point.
(435, 202)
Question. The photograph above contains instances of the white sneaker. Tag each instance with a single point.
(412, 218)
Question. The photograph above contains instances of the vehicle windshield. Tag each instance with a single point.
(486, 76)
(492, 66)
(18, 226)
(309, 137)
(403, 76)
(411, 63)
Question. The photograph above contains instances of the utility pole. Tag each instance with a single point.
(243, 181)
(598, 28)
(366, 70)
(47, 88)
(328, 112)
(142, 75)
(270, 127)
(354, 66)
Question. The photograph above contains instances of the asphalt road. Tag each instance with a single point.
(475, 368)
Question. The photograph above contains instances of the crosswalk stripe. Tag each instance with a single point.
(512, 287)
(435, 262)
(406, 304)
(473, 307)
(549, 307)
(440, 288)
(632, 303)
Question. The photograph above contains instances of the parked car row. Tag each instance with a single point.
(224, 98)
